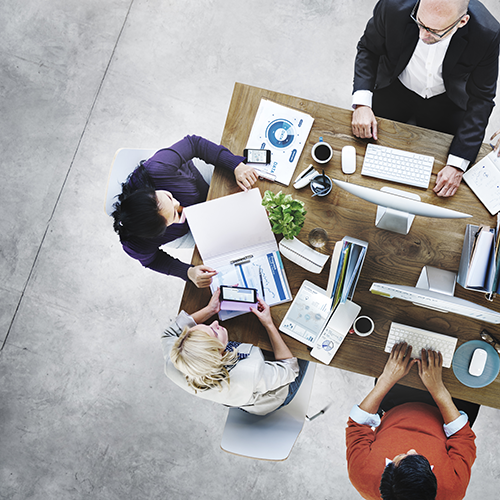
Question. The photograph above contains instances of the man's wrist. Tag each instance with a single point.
(440, 394)
(384, 382)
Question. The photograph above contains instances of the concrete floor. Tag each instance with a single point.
(85, 410)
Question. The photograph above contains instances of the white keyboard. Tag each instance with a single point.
(422, 339)
(397, 165)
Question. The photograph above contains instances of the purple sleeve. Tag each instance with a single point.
(192, 146)
(157, 260)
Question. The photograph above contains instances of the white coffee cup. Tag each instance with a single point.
(363, 326)
(322, 152)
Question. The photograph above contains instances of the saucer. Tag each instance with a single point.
(461, 361)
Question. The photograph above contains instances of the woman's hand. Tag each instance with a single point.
(201, 276)
(399, 363)
(430, 370)
(213, 307)
(263, 312)
(245, 176)
(496, 147)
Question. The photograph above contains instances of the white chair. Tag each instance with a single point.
(272, 436)
(124, 163)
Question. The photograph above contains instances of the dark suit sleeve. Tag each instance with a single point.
(480, 87)
(370, 48)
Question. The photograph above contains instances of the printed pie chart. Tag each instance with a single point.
(280, 133)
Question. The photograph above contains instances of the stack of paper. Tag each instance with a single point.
(347, 259)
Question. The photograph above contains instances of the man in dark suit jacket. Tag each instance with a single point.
(434, 62)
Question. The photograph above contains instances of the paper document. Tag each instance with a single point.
(234, 236)
(264, 273)
(303, 255)
(335, 331)
(284, 132)
(308, 314)
(484, 180)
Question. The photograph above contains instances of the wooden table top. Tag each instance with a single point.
(391, 257)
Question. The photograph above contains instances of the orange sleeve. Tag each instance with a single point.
(359, 439)
(461, 449)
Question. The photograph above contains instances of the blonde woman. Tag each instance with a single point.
(200, 359)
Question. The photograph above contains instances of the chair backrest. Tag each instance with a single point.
(124, 163)
(272, 436)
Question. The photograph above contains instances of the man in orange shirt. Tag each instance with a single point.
(417, 451)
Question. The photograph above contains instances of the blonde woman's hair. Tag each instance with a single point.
(198, 356)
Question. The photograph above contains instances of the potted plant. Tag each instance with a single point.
(287, 216)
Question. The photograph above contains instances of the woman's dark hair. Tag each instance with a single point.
(412, 479)
(136, 212)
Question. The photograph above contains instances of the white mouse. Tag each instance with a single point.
(348, 159)
(478, 362)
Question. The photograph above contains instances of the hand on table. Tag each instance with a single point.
(399, 363)
(364, 123)
(245, 176)
(448, 180)
(201, 275)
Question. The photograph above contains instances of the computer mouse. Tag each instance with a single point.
(478, 362)
(348, 159)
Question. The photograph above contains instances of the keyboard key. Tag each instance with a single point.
(397, 165)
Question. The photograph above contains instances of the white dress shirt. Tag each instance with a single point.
(424, 76)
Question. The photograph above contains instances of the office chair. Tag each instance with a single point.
(124, 163)
(272, 436)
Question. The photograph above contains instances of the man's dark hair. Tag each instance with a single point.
(136, 212)
(412, 479)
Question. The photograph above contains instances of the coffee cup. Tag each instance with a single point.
(322, 152)
(363, 326)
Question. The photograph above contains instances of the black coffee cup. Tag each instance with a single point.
(363, 326)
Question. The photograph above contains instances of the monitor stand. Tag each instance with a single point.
(437, 280)
(395, 220)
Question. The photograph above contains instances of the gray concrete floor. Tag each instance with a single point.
(85, 410)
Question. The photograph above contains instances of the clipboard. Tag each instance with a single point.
(234, 236)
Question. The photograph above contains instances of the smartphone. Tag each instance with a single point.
(262, 156)
(238, 294)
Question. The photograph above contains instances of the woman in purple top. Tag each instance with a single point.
(149, 213)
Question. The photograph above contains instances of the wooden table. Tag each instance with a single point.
(391, 257)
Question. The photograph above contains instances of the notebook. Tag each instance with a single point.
(234, 236)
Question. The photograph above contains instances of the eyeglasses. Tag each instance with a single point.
(435, 33)
(486, 336)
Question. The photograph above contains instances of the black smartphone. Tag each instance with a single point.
(238, 294)
(262, 156)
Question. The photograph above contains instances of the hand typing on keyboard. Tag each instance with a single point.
(399, 363)
(430, 368)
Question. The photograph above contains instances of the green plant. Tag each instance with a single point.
(287, 216)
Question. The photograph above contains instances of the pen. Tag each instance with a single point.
(262, 284)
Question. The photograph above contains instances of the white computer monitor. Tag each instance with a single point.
(397, 209)
(434, 290)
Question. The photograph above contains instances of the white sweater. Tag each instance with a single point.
(256, 385)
